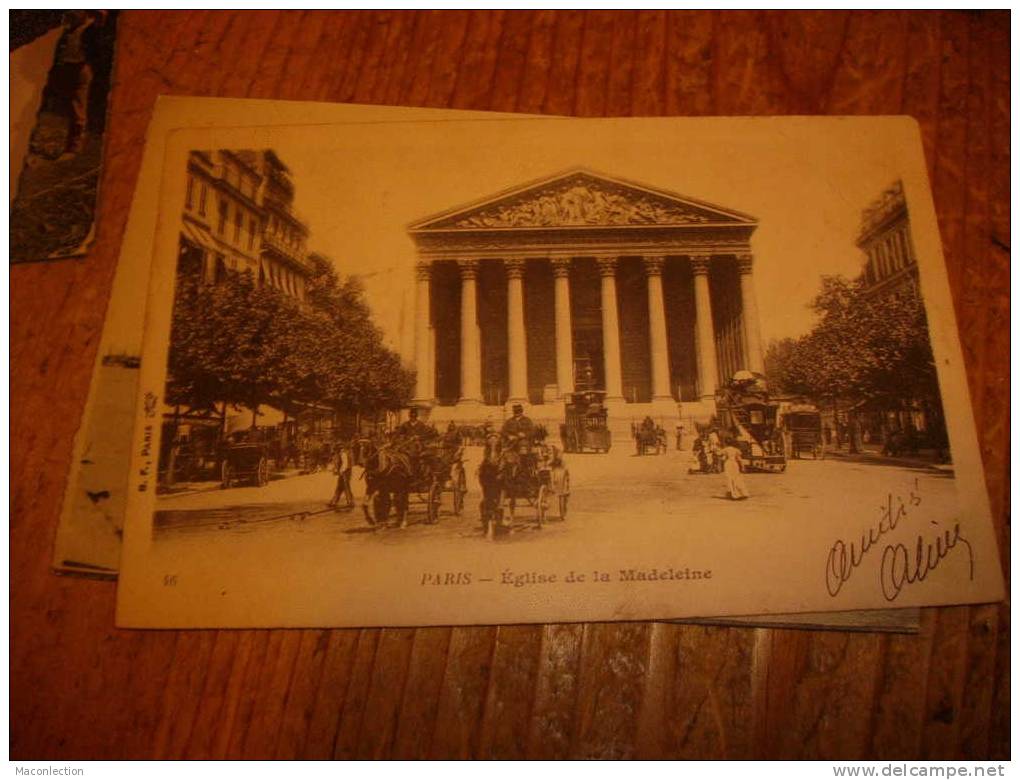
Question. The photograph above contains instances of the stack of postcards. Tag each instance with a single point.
(376, 366)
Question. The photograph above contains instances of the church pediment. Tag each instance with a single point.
(582, 199)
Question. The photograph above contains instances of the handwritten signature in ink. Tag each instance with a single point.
(900, 566)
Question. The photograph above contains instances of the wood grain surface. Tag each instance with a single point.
(81, 689)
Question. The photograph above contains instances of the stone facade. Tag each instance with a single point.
(582, 280)
(238, 216)
(884, 237)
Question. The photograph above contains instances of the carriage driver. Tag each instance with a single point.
(452, 441)
(414, 427)
(518, 426)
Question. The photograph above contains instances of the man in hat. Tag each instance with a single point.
(343, 465)
(413, 427)
(518, 426)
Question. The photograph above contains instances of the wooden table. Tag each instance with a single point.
(81, 689)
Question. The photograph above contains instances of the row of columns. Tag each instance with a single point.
(470, 336)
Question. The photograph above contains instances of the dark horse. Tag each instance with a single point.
(388, 473)
(491, 478)
(505, 473)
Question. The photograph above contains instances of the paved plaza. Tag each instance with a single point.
(612, 495)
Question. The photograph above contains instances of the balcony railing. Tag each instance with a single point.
(289, 252)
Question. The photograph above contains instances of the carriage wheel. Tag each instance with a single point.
(226, 475)
(368, 507)
(564, 496)
(262, 475)
(540, 503)
(459, 492)
(435, 499)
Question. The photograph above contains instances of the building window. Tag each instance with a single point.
(901, 236)
(894, 253)
(238, 224)
(222, 224)
(221, 269)
(191, 192)
(251, 233)
(201, 199)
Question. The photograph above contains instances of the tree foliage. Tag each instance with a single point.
(247, 344)
(863, 346)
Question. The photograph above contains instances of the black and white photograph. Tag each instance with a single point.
(62, 72)
(510, 368)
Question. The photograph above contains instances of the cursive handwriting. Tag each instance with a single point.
(845, 557)
(899, 569)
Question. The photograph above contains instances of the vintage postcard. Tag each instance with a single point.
(61, 77)
(516, 370)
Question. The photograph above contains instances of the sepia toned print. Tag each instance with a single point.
(53, 209)
(577, 395)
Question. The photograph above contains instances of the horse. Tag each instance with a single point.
(506, 473)
(491, 479)
(388, 473)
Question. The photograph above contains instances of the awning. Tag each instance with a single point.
(198, 235)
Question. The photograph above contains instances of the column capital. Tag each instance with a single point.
(653, 264)
(700, 264)
(561, 266)
(514, 267)
(745, 262)
(423, 270)
(607, 265)
(468, 268)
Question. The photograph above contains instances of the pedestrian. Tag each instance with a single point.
(70, 80)
(715, 450)
(732, 467)
(698, 453)
(343, 465)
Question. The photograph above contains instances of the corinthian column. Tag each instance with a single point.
(423, 393)
(564, 332)
(610, 330)
(470, 338)
(708, 372)
(657, 330)
(749, 305)
(517, 340)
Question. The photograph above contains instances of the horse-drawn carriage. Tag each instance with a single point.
(521, 473)
(649, 438)
(245, 462)
(586, 428)
(803, 426)
(398, 469)
(746, 412)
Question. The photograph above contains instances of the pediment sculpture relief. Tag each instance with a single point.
(581, 204)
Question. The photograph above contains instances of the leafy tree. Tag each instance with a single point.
(863, 347)
(240, 343)
(373, 378)
(233, 342)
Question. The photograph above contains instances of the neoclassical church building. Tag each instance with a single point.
(582, 280)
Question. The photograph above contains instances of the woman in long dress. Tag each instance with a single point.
(732, 463)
